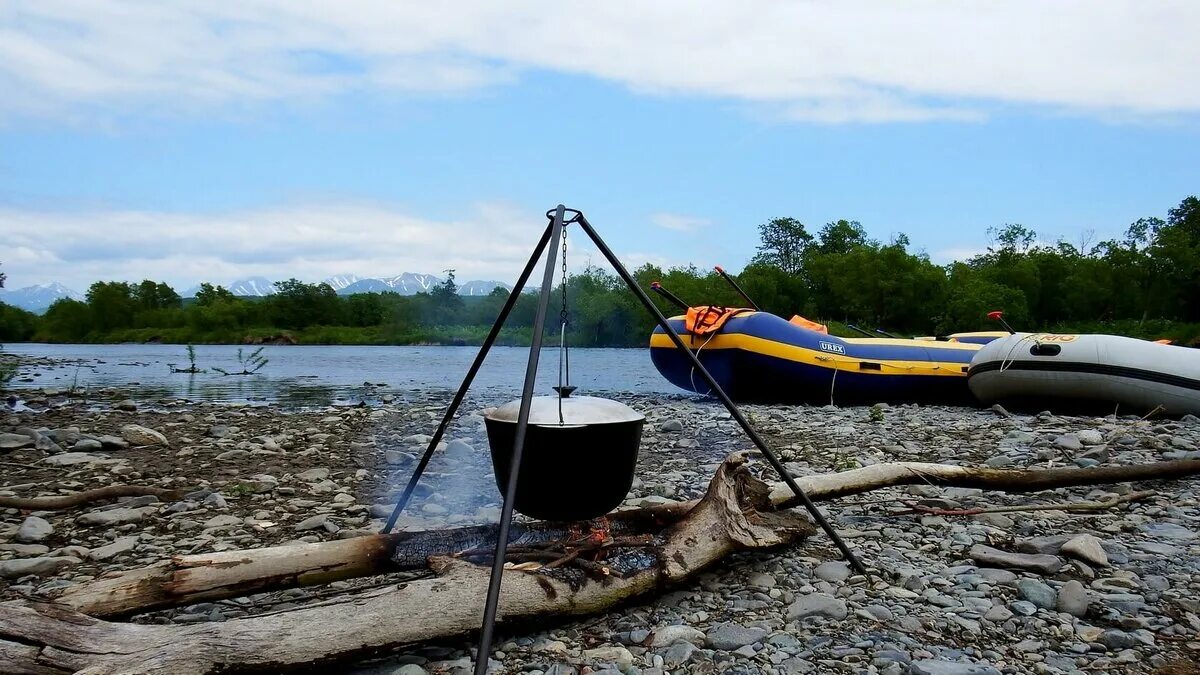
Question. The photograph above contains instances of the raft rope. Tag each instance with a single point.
(692, 373)
(1007, 362)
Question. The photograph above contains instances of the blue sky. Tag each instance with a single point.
(145, 142)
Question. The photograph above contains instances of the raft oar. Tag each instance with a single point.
(999, 316)
(671, 297)
(887, 334)
(737, 288)
(860, 330)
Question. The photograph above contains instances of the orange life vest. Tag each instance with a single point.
(798, 320)
(706, 319)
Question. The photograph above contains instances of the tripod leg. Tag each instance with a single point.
(717, 391)
(506, 512)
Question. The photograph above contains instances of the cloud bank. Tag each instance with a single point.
(829, 62)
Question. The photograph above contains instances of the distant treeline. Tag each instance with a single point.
(1145, 284)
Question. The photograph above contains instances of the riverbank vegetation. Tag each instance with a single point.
(1145, 284)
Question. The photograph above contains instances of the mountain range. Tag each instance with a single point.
(38, 299)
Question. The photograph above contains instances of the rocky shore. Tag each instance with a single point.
(1041, 591)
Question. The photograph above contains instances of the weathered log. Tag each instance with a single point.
(828, 486)
(190, 579)
(734, 515)
(59, 502)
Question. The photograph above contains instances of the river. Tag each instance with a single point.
(324, 375)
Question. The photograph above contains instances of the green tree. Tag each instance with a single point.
(112, 304)
(68, 320)
(784, 243)
(296, 304)
(209, 295)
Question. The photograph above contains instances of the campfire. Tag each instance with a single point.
(594, 547)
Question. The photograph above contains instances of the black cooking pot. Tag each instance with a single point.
(574, 468)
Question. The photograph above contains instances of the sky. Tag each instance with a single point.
(187, 141)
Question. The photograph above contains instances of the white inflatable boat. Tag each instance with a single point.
(1045, 369)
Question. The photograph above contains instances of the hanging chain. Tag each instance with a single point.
(562, 315)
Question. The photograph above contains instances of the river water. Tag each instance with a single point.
(324, 375)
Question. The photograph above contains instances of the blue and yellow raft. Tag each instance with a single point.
(760, 357)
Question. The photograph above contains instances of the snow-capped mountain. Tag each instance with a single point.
(37, 299)
(340, 281)
(254, 286)
(481, 287)
(411, 284)
(407, 283)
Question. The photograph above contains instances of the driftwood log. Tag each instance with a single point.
(737, 513)
(184, 580)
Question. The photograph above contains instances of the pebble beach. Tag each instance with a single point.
(1051, 590)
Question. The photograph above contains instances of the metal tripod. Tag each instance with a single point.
(559, 220)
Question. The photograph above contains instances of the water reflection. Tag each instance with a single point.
(323, 375)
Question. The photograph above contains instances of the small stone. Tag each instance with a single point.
(113, 442)
(1023, 607)
(20, 567)
(87, 445)
(679, 654)
(943, 667)
(1087, 548)
(1117, 639)
(222, 521)
(618, 656)
(730, 636)
(73, 458)
(671, 426)
(1069, 442)
(1038, 593)
(669, 635)
(397, 457)
(127, 405)
(409, 669)
(998, 614)
(34, 530)
(1046, 564)
(114, 516)
(139, 435)
(14, 441)
(1090, 437)
(118, 547)
(312, 523)
(834, 571)
(817, 604)
(1073, 599)
(313, 475)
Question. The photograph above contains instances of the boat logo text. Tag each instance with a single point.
(832, 347)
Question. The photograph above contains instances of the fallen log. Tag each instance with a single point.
(735, 514)
(186, 580)
(59, 502)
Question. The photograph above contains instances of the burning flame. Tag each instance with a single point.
(601, 531)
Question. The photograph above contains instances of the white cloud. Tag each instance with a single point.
(309, 242)
(867, 61)
(678, 223)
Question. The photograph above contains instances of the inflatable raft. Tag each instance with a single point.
(1087, 371)
(760, 357)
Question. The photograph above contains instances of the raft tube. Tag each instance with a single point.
(1093, 372)
(760, 357)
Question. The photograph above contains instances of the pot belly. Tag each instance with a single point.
(567, 473)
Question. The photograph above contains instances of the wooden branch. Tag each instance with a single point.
(1099, 505)
(729, 518)
(72, 500)
(823, 487)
